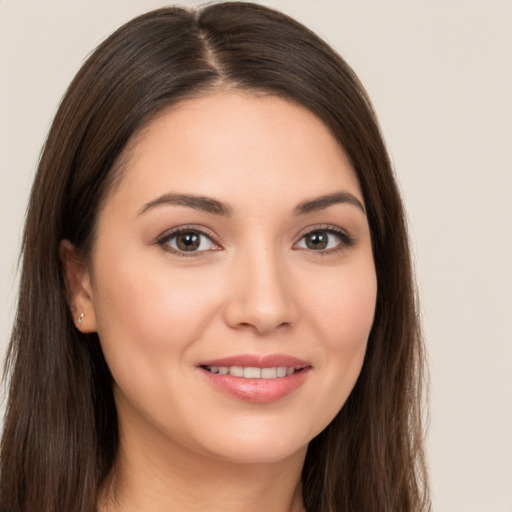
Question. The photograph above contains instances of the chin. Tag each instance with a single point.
(261, 444)
(259, 453)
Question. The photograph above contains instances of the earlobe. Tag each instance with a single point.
(79, 291)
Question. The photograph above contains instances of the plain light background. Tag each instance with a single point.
(440, 76)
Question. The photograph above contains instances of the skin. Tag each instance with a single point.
(254, 287)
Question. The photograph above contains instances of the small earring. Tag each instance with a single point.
(79, 319)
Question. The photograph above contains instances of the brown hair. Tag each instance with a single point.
(60, 438)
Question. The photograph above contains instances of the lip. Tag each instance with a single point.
(257, 361)
(257, 390)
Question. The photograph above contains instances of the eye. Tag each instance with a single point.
(324, 239)
(188, 240)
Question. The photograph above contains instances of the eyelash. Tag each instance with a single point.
(164, 240)
(345, 240)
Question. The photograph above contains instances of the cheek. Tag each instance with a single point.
(345, 309)
(343, 318)
(149, 320)
(148, 310)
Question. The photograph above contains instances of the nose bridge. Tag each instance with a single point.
(260, 289)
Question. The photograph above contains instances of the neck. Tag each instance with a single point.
(160, 476)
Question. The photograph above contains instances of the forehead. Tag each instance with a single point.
(247, 145)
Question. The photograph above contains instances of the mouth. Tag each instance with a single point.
(256, 378)
(253, 372)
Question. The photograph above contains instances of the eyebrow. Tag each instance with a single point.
(322, 202)
(209, 205)
(202, 203)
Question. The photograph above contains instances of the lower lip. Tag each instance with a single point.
(257, 390)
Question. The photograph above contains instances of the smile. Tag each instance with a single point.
(251, 372)
(256, 378)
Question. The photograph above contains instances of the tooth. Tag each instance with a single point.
(236, 371)
(281, 371)
(252, 373)
(268, 373)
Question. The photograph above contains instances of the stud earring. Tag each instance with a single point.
(79, 319)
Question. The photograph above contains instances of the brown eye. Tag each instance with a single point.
(318, 240)
(188, 241)
(324, 240)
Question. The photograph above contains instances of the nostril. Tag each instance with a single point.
(262, 328)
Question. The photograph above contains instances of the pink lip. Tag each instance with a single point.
(257, 390)
(257, 361)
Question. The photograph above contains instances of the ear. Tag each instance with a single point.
(78, 287)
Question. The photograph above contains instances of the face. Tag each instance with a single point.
(232, 283)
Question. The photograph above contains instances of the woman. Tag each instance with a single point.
(216, 304)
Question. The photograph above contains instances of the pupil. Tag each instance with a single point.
(317, 240)
(188, 241)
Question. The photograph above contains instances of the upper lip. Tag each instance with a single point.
(257, 361)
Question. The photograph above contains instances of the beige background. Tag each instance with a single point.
(440, 75)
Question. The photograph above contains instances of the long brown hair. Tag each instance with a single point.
(60, 437)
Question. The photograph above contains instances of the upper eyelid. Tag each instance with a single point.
(164, 239)
(166, 235)
(345, 238)
(321, 227)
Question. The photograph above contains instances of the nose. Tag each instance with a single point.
(260, 293)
